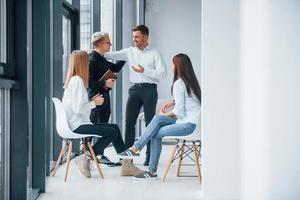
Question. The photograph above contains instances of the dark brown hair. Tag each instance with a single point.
(144, 29)
(184, 70)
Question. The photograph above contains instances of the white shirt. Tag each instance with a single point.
(150, 59)
(187, 108)
(76, 103)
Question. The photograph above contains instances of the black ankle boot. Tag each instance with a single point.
(146, 163)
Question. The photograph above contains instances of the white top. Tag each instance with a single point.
(187, 108)
(76, 103)
(148, 58)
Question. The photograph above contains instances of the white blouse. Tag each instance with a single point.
(76, 103)
(187, 108)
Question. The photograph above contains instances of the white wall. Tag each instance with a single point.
(175, 27)
(251, 99)
(284, 100)
(221, 99)
(255, 72)
(271, 69)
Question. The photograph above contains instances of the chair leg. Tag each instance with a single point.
(180, 158)
(197, 162)
(68, 159)
(95, 160)
(62, 152)
(170, 161)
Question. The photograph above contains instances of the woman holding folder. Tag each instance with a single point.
(101, 80)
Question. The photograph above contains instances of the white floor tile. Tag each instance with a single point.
(116, 187)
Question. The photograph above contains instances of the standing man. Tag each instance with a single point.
(98, 66)
(146, 68)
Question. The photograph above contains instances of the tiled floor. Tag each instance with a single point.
(115, 187)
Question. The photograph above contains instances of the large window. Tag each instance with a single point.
(3, 35)
(85, 24)
(69, 1)
(107, 18)
(70, 20)
(66, 38)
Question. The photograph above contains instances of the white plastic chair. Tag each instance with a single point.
(68, 136)
(185, 145)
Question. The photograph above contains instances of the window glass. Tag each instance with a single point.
(66, 38)
(107, 18)
(85, 24)
(3, 31)
(69, 1)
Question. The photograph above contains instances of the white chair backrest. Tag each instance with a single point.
(62, 125)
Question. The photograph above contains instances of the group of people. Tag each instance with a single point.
(86, 100)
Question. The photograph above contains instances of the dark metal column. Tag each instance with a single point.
(119, 46)
(40, 83)
(18, 109)
(96, 16)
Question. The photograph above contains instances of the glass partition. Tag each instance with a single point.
(85, 24)
(3, 35)
(66, 39)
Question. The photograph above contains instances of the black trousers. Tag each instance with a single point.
(101, 114)
(109, 132)
(144, 95)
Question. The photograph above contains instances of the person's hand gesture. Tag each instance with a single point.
(98, 99)
(138, 69)
(165, 107)
(109, 83)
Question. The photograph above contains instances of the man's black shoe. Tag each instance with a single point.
(105, 161)
(117, 164)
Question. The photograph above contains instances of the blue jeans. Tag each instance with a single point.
(159, 127)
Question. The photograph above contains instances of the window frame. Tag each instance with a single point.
(7, 68)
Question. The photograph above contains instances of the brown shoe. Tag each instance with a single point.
(129, 169)
(84, 165)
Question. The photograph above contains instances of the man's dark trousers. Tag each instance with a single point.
(142, 94)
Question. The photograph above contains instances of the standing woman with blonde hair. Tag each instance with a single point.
(98, 66)
(78, 109)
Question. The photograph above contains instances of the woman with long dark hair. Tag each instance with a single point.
(181, 121)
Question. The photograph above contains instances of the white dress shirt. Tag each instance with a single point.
(76, 103)
(150, 59)
(187, 108)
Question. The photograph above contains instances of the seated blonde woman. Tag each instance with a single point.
(78, 109)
